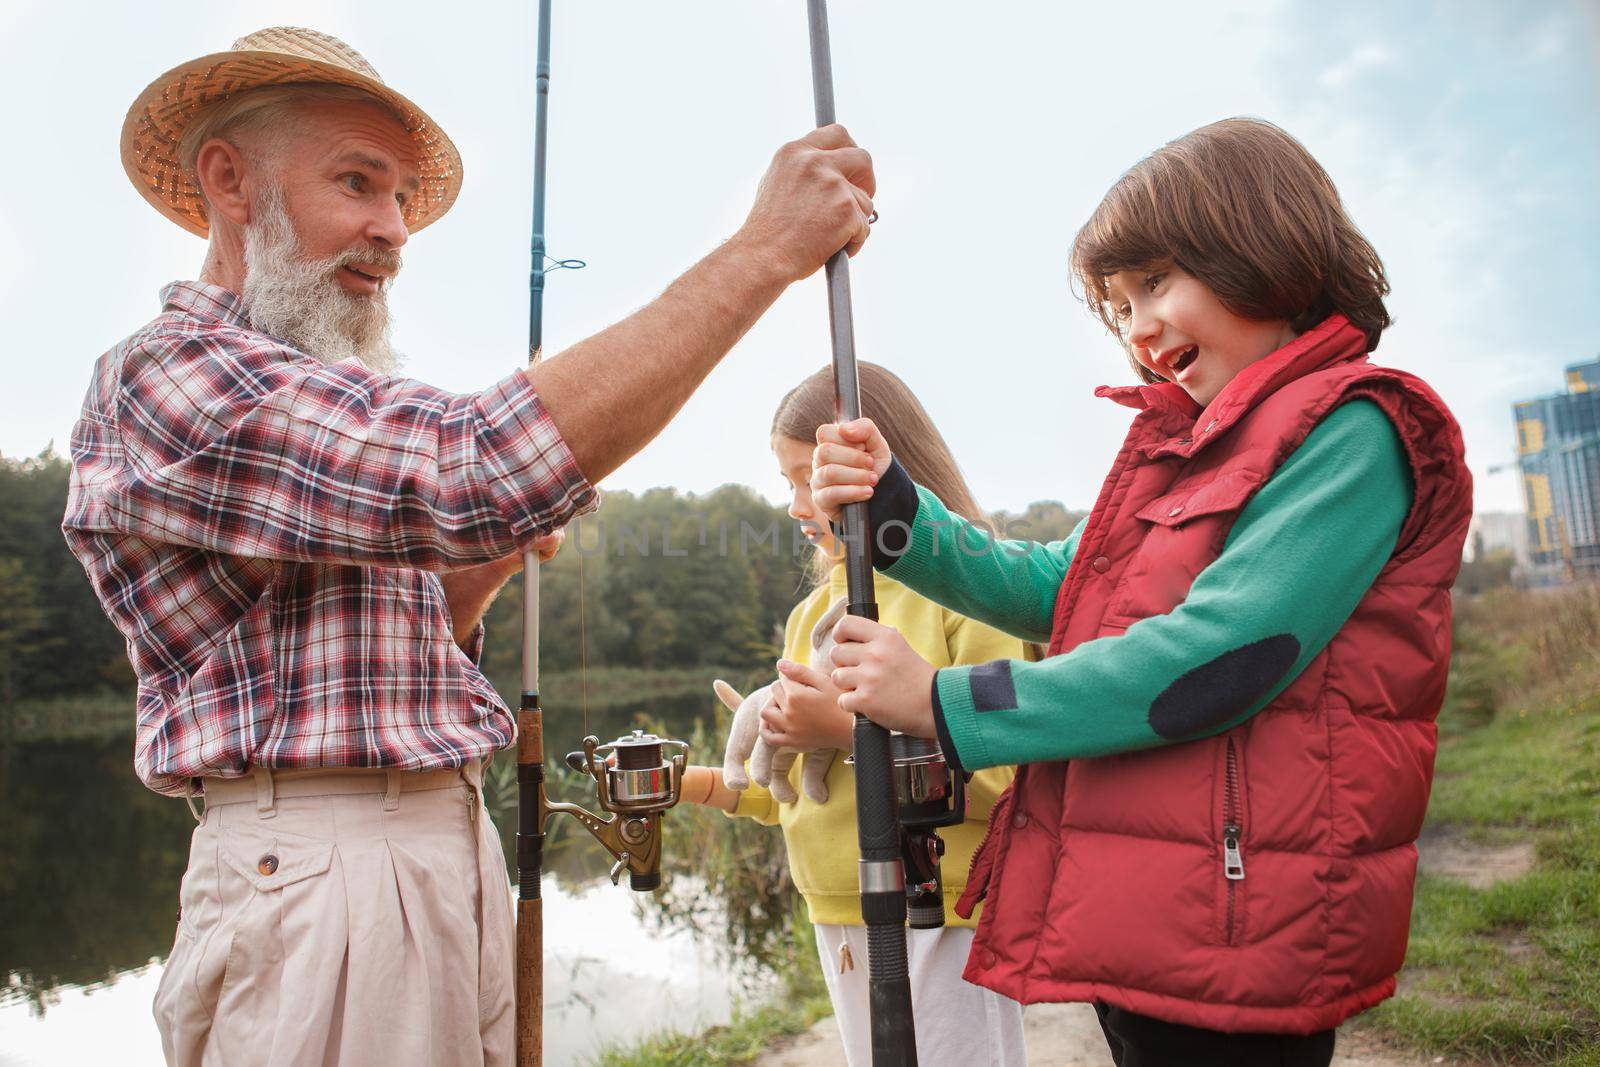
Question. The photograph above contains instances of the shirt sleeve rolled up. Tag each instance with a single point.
(259, 451)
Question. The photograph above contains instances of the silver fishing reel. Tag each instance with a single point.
(635, 781)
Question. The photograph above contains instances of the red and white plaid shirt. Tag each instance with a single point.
(265, 530)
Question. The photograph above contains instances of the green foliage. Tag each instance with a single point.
(54, 639)
(1506, 973)
(93, 715)
(1485, 571)
(661, 580)
(740, 890)
(1043, 520)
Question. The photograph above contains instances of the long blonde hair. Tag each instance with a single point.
(911, 434)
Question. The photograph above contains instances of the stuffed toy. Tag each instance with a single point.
(769, 767)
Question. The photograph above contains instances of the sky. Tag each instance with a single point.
(1464, 138)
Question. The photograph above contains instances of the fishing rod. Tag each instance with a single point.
(530, 718)
(882, 871)
(634, 779)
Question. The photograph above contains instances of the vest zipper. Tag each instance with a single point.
(980, 869)
(1232, 854)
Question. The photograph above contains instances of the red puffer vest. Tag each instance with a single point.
(1109, 879)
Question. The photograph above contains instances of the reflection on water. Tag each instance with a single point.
(607, 981)
(89, 886)
(90, 863)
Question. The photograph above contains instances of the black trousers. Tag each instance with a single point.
(1140, 1041)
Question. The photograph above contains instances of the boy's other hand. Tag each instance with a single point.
(882, 676)
(849, 459)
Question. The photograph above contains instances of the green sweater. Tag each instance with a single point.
(1297, 561)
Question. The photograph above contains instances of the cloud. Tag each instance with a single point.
(1367, 57)
(1547, 38)
(13, 257)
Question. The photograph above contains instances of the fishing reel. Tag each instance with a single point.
(930, 798)
(635, 781)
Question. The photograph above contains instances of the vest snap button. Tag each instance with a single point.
(1019, 820)
(1101, 564)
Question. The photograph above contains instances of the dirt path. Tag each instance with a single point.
(1068, 1035)
(1059, 1035)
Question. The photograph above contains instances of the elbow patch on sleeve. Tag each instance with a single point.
(992, 686)
(1215, 692)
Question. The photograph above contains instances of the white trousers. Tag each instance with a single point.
(342, 919)
(958, 1024)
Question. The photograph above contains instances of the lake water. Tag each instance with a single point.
(89, 868)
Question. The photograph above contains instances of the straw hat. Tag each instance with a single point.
(280, 55)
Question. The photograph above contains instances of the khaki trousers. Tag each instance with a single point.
(342, 917)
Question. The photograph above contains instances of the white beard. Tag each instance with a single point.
(298, 299)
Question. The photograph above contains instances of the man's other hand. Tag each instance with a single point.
(549, 544)
(503, 570)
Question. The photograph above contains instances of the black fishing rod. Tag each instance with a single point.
(883, 885)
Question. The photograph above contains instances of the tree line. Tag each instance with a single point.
(655, 580)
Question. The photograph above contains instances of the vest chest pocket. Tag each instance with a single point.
(1184, 531)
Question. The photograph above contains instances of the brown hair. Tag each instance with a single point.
(911, 434)
(1243, 207)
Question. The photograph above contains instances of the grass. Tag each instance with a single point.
(93, 716)
(1501, 975)
(1506, 974)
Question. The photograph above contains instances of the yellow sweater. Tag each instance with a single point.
(821, 838)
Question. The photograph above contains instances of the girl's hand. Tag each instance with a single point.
(849, 459)
(703, 785)
(806, 713)
(882, 677)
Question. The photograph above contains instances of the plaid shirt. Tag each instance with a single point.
(265, 530)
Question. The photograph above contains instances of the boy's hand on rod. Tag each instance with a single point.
(882, 676)
(849, 459)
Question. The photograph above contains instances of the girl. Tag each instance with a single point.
(1248, 637)
(957, 1023)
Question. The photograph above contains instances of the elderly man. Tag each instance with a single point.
(298, 545)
